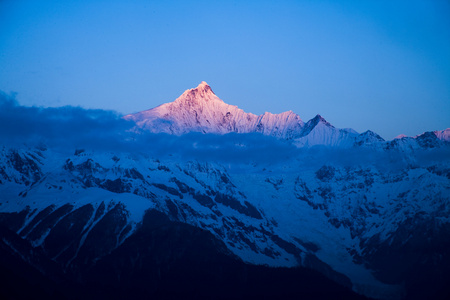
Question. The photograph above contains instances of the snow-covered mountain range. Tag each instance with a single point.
(200, 110)
(369, 214)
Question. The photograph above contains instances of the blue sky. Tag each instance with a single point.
(379, 65)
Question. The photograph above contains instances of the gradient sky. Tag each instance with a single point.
(379, 65)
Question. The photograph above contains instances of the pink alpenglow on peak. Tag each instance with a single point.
(200, 110)
(400, 136)
(443, 135)
(203, 87)
(203, 84)
(202, 92)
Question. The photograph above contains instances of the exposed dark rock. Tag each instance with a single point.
(313, 262)
(39, 217)
(173, 210)
(168, 189)
(79, 151)
(103, 237)
(134, 174)
(48, 222)
(275, 182)
(15, 220)
(184, 188)
(204, 200)
(440, 171)
(163, 168)
(308, 245)
(66, 234)
(116, 186)
(286, 246)
(230, 201)
(172, 260)
(100, 211)
(325, 173)
(428, 140)
(26, 166)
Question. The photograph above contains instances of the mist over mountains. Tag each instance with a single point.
(197, 111)
(196, 195)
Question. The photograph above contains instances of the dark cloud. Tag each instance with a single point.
(63, 126)
(75, 127)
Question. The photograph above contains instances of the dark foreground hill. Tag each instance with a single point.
(162, 260)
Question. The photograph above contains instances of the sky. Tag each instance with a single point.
(378, 65)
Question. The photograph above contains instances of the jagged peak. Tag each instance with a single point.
(370, 133)
(440, 135)
(202, 91)
(426, 134)
(443, 134)
(400, 136)
(319, 119)
(202, 87)
(428, 139)
(311, 124)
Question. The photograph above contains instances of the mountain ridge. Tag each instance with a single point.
(200, 110)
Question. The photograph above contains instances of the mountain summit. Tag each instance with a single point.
(202, 92)
(200, 110)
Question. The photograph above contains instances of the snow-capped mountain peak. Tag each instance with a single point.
(318, 119)
(202, 92)
(443, 135)
(319, 131)
(400, 136)
(203, 84)
(372, 135)
(200, 110)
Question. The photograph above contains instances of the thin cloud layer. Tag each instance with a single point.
(66, 125)
(75, 127)
(72, 128)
